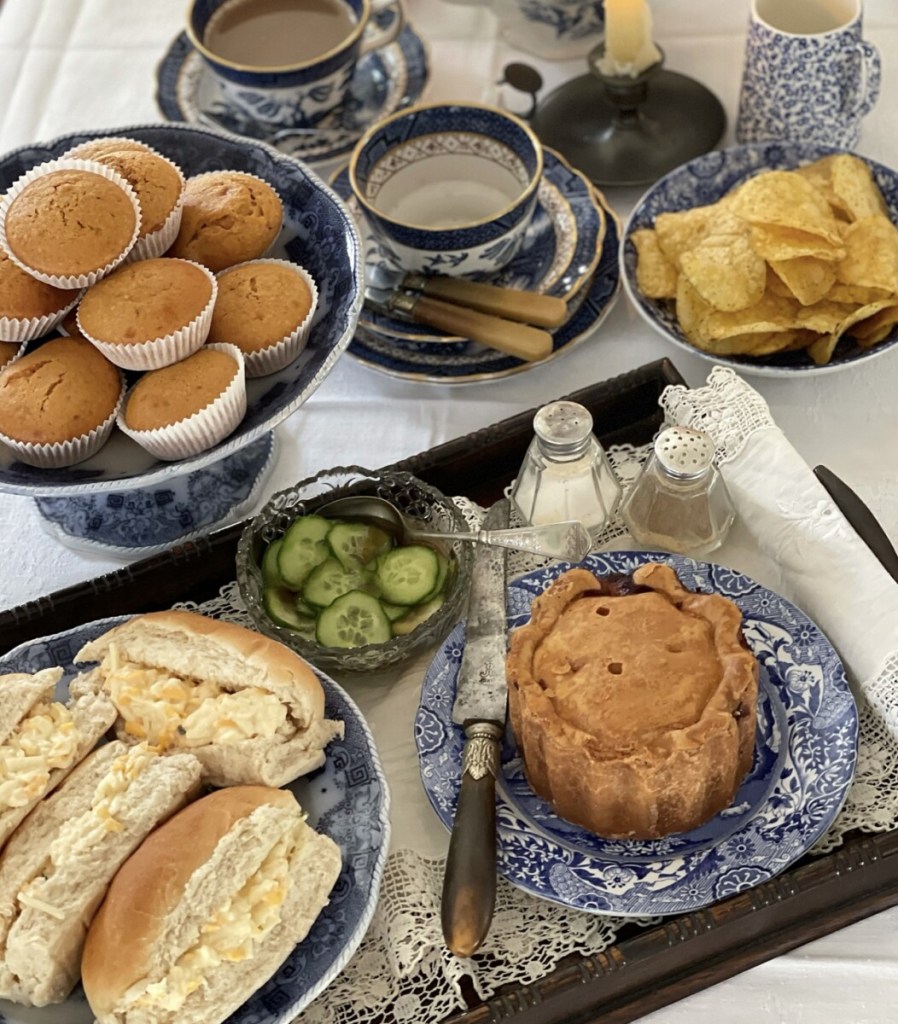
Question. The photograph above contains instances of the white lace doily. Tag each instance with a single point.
(402, 971)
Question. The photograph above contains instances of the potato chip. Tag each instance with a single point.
(807, 278)
(853, 184)
(856, 294)
(871, 254)
(779, 243)
(818, 174)
(681, 231)
(821, 351)
(692, 312)
(754, 344)
(725, 270)
(876, 328)
(786, 200)
(656, 276)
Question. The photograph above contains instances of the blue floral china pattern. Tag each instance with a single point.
(560, 250)
(552, 29)
(814, 88)
(147, 520)
(467, 363)
(299, 95)
(318, 232)
(346, 799)
(706, 180)
(396, 157)
(803, 766)
(384, 81)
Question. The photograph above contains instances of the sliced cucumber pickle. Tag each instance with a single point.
(353, 620)
(329, 580)
(408, 574)
(304, 546)
(356, 544)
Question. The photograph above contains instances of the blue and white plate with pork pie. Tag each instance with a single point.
(560, 250)
(707, 179)
(346, 799)
(805, 754)
(469, 363)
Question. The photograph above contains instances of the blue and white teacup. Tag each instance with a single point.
(553, 29)
(809, 75)
(300, 86)
(448, 188)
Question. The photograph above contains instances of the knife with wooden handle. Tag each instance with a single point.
(515, 339)
(469, 884)
(509, 303)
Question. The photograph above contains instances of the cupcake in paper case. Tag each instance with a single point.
(69, 222)
(30, 308)
(149, 314)
(59, 402)
(103, 145)
(228, 217)
(10, 351)
(183, 409)
(265, 307)
(158, 184)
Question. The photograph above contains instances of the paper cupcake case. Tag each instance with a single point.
(276, 357)
(67, 453)
(25, 329)
(84, 280)
(158, 242)
(202, 429)
(159, 352)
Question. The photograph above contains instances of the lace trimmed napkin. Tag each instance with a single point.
(824, 567)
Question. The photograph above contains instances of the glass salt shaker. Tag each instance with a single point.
(679, 502)
(566, 474)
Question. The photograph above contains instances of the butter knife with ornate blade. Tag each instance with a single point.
(469, 885)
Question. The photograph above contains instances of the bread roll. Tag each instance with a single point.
(207, 910)
(57, 866)
(249, 708)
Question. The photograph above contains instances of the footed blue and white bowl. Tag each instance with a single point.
(448, 188)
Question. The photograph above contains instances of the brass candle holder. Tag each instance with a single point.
(629, 130)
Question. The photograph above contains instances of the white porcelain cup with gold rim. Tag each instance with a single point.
(287, 64)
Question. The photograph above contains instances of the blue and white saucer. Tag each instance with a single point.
(466, 362)
(385, 81)
(560, 251)
(804, 761)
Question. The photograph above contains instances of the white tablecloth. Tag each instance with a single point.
(68, 65)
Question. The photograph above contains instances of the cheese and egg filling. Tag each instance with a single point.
(46, 739)
(79, 836)
(169, 711)
(230, 935)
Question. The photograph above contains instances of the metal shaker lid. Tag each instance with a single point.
(684, 451)
(563, 427)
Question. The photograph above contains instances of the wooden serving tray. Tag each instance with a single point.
(648, 967)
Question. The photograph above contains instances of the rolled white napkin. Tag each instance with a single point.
(825, 568)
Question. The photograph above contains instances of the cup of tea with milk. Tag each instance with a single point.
(288, 63)
(448, 188)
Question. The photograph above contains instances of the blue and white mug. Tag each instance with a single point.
(298, 93)
(809, 75)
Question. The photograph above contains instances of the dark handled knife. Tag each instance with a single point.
(469, 885)
(862, 520)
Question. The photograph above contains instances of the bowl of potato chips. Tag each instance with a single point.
(775, 258)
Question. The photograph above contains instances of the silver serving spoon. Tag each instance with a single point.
(568, 541)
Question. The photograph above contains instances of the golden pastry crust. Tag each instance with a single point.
(634, 711)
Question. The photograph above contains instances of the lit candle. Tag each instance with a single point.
(629, 49)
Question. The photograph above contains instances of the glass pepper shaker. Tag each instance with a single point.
(566, 474)
(679, 501)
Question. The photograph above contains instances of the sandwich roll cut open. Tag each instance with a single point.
(56, 868)
(42, 739)
(633, 701)
(248, 707)
(207, 909)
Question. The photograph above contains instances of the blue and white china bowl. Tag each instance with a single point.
(448, 188)
(470, 363)
(707, 179)
(384, 81)
(297, 95)
(346, 799)
(551, 29)
(559, 253)
(804, 761)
